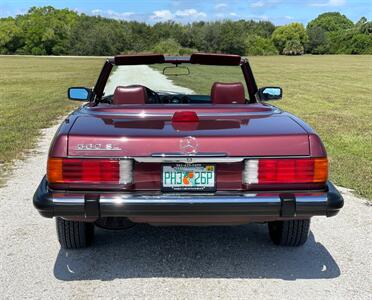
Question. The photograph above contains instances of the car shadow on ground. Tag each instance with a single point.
(194, 252)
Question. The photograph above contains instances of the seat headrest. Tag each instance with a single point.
(135, 94)
(227, 93)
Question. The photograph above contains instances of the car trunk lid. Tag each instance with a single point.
(249, 130)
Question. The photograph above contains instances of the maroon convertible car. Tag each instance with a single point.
(136, 153)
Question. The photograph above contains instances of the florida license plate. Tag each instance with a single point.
(189, 177)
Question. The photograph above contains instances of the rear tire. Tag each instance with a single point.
(73, 234)
(291, 233)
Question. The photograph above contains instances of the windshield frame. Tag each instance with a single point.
(202, 59)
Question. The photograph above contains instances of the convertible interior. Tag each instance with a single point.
(221, 93)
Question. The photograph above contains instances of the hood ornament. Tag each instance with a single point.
(189, 145)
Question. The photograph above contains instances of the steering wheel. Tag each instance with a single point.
(153, 96)
(180, 99)
(185, 99)
(175, 100)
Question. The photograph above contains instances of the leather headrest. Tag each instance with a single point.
(227, 93)
(135, 94)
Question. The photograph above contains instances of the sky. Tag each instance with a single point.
(184, 11)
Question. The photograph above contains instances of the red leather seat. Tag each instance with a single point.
(227, 93)
(135, 94)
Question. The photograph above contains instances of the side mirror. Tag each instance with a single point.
(270, 93)
(79, 93)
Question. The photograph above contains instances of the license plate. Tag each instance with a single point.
(190, 177)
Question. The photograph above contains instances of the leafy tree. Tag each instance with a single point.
(140, 36)
(213, 37)
(99, 36)
(168, 46)
(11, 37)
(257, 45)
(46, 30)
(324, 32)
(351, 43)
(293, 47)
(318, 40)
(232, 38)
(366, 28)
(290, 32)
(172, 47)
(166, 30)
(354, 40)
(331, 21)
(187, 51)
(361, 22)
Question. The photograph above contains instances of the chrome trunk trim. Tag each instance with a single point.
(201, 158)
(181, 158)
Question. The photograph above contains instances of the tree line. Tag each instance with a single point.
(50, 31)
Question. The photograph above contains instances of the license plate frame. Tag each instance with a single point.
(183, 188)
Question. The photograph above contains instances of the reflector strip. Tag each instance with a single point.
(250, 172)
(126, 171)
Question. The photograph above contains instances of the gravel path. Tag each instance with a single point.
(174, 262)
(142, 75)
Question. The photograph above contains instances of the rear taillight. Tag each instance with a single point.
(285, 171)
(89, 171)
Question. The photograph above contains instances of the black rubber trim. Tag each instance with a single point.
(288, 205)
(42, 200)
(335, 200)
(92, 205)
(182, 209)
(288, 208)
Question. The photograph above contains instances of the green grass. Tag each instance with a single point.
(331, 93)
(33, 95)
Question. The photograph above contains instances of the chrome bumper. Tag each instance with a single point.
(265, 204)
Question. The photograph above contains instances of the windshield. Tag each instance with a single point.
(198, 79)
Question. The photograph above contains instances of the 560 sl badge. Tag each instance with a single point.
(97, 147)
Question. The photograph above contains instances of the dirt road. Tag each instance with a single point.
(176, 263)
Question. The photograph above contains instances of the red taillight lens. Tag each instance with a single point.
(286, 171)
(185, 116)
(89, 171)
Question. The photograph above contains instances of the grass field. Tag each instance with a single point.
(33, 95)
(331, 93)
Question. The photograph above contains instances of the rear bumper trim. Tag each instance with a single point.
(87, 205)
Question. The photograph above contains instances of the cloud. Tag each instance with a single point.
(162, 15)
(166, 15)
(264, 3)
(190, 13)
(112, 14)
(220, 6)
(334, 3)
(258, 4)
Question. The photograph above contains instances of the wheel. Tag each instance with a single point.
(73, 234)
(291, 233)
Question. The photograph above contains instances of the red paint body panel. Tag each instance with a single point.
(258, 131)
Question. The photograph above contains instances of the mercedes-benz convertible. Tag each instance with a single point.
(139, 153)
